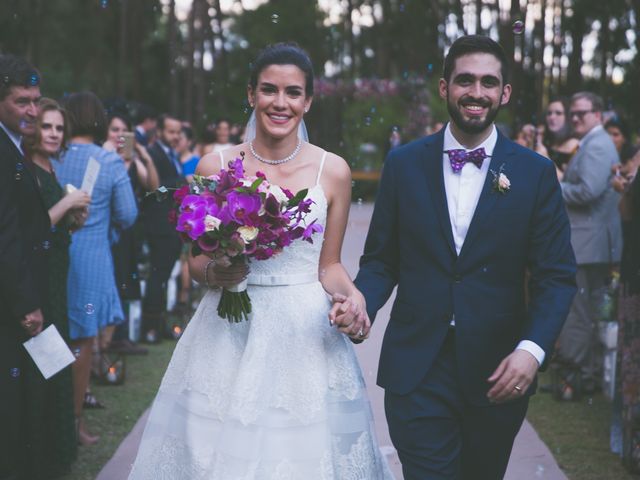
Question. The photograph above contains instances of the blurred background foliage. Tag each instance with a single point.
(377, 61)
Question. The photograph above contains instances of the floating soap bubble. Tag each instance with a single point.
(104, 3)
(275, 18)
(89, 309)
(367, 121)
(518, 27)
(34, 80)
(14, 372)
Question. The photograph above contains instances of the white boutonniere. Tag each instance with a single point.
(501, 182)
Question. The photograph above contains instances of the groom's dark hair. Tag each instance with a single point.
(474, 44)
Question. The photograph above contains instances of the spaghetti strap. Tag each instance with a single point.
(221, 160)
(324, 156)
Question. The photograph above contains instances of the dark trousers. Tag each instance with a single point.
(439, 435)
(13, 360)
(163, 253)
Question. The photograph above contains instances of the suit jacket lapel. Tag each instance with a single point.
(435, 183)
(22, 166)
(500, 159)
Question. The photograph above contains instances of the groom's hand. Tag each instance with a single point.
(513, 377)
(350, 317)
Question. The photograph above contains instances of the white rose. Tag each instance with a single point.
(211, 223)
(503, 182)
(277, 192)
(248, 234)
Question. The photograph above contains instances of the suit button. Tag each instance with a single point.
(457, 278)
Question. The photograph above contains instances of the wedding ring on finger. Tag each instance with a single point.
(518, 388)
(360, 333)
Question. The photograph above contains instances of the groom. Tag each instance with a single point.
(460, 217)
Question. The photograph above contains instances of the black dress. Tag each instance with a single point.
(50, 418)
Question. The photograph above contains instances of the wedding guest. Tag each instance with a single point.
(208, 140)
(556, 141)
(596, 236)
(619, 132)
(145, 129)
(126, 251)
(628, 377)
(92, 292)
(188, 159)
(24, 233)
(163, 240)
(223, 136)
(51, 428)
(526, 136)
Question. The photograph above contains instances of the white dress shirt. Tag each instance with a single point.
(15, 138)
(463, 191)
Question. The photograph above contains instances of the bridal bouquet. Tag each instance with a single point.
(234, 218)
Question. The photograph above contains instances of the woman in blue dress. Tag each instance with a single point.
(93, 300)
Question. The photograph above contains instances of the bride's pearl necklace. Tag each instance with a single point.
(276, 162)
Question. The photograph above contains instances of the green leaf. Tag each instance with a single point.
(298, 197)
(257, 182)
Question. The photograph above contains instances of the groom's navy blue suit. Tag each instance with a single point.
(410, 245)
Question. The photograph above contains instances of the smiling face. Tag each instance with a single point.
(116, 128)
(19, 110)
(51, 132)
(475, 92)
(279, 100)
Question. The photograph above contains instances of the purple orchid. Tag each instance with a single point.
(192, 222)
(242, 205)
(312, 228)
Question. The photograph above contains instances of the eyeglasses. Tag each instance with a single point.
(580, 113)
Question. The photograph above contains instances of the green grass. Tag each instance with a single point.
(125, 404)
(577, 433)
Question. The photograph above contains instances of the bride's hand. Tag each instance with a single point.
(225, 274)
(349, 314)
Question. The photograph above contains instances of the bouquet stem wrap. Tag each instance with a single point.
(235, 304)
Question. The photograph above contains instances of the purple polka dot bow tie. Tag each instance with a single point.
(458, 157)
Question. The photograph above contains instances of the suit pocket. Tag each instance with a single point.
(401, 312)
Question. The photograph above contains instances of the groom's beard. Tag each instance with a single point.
(473, 126)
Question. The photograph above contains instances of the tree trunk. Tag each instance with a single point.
(578, 28)
(173, 55)
(222, 65)
(201, 13)
(122, 49)
(190, 54)
(349, 40)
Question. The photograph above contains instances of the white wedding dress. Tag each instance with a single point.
(279, 397)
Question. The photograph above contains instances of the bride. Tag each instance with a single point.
(280, 396)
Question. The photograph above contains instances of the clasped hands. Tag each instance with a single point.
(349, 315)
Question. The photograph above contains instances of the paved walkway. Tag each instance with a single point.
(531, 459)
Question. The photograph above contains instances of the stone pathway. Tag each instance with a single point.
(531, 459)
